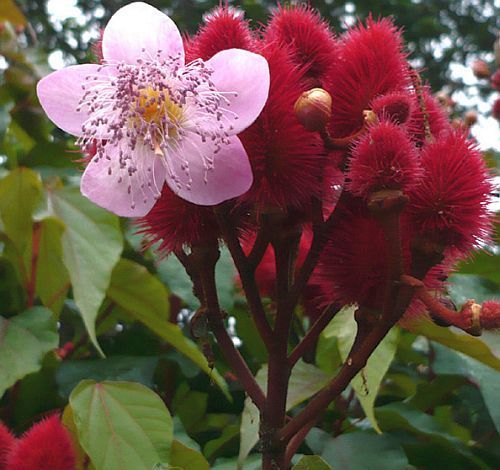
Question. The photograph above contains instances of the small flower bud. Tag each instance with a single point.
(470, 118)
(495, 80)
(495, 111)
(369, 117)
(314, 109)
(481, 69)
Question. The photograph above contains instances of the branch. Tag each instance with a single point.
(204, 260)
(312, 335)
(247, 277)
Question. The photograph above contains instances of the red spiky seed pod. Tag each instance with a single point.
(353, 266)
(431, 114)
(225, 28)
(314, 109)
(7, 442)
(490, 315)
(371, 63)
(384, 158)
(396, 107)
(174, 222)
(311, 42)
(46, 445)
(481, 69)
(449, 206)
(286, 159)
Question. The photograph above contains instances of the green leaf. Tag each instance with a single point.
(92, 244)
(358, 451)
(305, 381)
(20, 191)
(24, 341)
(311, 462)
(118, 368)
(52, 278)
(145, 299)
(488, 379)
(217, 446)
(173, 274)
(463, 287)
(400, 416)
(484, 264)
(457, 340)
(366, 383)
(122, 425)
(185, 458)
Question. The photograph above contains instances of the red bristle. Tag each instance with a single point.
(265, 274)
(46, 445)
(286, 159)
(7, 442)
(174, 222)
(450, 204)
(384, 158)
(311, 42)
(371, 63)
(396, 107)
(490, 315)
(353, 266)
(434, 114)
(224, 28)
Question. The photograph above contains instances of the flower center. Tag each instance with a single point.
(154, 106)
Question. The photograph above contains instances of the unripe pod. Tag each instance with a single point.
(481, 69)
(314, 109)
(495, 80)
(470, 118)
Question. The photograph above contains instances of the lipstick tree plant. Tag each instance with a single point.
(312, 177)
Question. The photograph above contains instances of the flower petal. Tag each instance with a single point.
(230, 176)
(60, 92)
(140, 26)
(247, 74)
(119, 192)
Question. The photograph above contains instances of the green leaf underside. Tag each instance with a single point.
(366, 383)
(92, 244)
(122, 425)
(145, 299)
(24, 341)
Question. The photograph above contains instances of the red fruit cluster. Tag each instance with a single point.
(47, 444)
(384, 132)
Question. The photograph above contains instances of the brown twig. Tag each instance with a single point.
(312, 334)
(204, 260)
(247, 277)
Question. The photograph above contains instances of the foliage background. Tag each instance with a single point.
(433, 392)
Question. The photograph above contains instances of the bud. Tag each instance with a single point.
(496, 109)
(457, 124)
(314, 109)
(495, 80)
(481, 69)
(470, 118)
(445, 99)
(369, 117)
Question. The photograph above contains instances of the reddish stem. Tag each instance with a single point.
(312, 335)
(31, 287)
(247, 277)
(204, 260)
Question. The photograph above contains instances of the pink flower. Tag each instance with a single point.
(154, 118)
